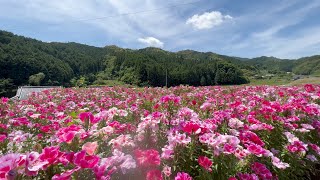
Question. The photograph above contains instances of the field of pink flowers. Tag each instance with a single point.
(181, 133)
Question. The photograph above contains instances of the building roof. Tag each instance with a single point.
(23, 92)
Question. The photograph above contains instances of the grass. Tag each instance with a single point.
(272, 81)
(309, 80)
(285, 81)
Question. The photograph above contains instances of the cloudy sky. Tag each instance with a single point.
(245, 28)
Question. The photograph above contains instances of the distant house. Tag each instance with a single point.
(24, 92)
(296, 77)
(269, 75)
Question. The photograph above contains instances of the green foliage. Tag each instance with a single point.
(6, 87)
(80, 82)
(308, 66)
(35, 80)
(66, 63)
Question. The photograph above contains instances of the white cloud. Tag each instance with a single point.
(151, 41)
(207, 20)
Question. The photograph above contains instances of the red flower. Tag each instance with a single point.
(147, 158)
(154, 175)
(191, 128)
(309, 88)
(205, 163)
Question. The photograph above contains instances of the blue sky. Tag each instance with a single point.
(245, 28)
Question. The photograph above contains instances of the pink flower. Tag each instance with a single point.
(229, 149)
(315, 148)
(67, 134)
(84, 161)
(65, 175)
(205, 162)
(281, 165)
(205, 106)
(166, 171)
(147, 158)
(257, 150)
(9, 163)
(101, 170)
(90, 147)
(183, 176)
(34, 164)
(167, 152)
(297, 146)
(235, 123)
(241, 153)
(154, 175)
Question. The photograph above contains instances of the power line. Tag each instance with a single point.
(122, 14)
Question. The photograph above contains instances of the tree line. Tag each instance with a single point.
(26, 61)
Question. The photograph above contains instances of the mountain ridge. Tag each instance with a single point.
(71, 63)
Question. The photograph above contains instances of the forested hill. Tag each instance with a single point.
(26, 61)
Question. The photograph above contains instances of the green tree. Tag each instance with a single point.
(203, 81)
(36, 79)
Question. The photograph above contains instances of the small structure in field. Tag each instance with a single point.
(23, 92)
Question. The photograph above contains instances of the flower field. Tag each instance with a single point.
(181, 133)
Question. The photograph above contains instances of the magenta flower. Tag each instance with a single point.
(87, 117)
(84, 161)
(4, 100)
(248, 137)
(67, 134)
(191, 128)
(34, 164)
(10, 162)
(2, 137)
(182, 176)
(258, 150)
(50, 154)
(205, 162)
(247, 176)
(261, 170)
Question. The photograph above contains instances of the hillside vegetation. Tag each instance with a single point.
(26, 61)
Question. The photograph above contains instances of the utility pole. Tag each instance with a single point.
(166, 77)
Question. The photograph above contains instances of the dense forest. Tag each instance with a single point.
(26, 61)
